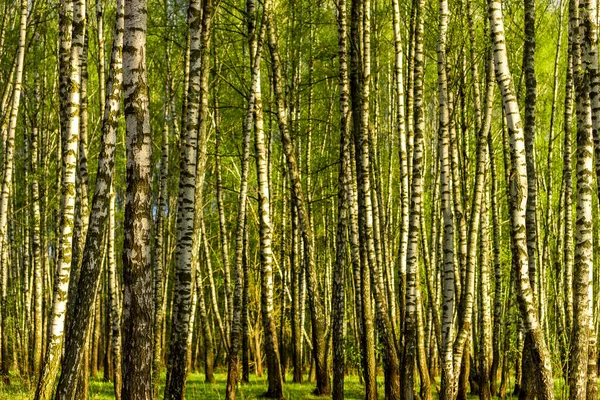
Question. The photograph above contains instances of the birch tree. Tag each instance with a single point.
(518, 182)
(70, 140)
(137, 263)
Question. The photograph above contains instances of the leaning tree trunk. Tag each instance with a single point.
(518, 185)
(99, 218)
(528, 387)
(137, 257)
(70, 141)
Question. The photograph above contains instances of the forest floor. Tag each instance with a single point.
(198, 389)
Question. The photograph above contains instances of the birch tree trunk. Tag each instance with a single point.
(518, 182)
(36, 237)
(448, 283)
(587, 255)
(585, 66)
(363, 289)
(403, 156)
(84, 299)
(338, 288)
(567, 174)
(528, 388)
(199, 17)
(70, 141)
(275, 379)
(137, 258)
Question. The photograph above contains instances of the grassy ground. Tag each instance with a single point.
(197, 389)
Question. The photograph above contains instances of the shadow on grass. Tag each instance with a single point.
(22, 389)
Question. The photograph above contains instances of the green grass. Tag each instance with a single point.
(198, 389)
(20, 389)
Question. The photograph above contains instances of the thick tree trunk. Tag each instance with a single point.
(137, 259)
(338, 287)
(449, 374)
(583, 334)
(518, 194)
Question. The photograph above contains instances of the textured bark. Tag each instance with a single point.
(528, 388)
(584, 215)
(338, 287)
(567, 174)
(275, 379)
(137, 259)
(404, 157)
(529, 131)
(298, 197)
(81, 216)
(448, 283)
(585, 63)
(70, 140)
(190, 195)
(416, 201)
(83, 300)
(518, 195)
